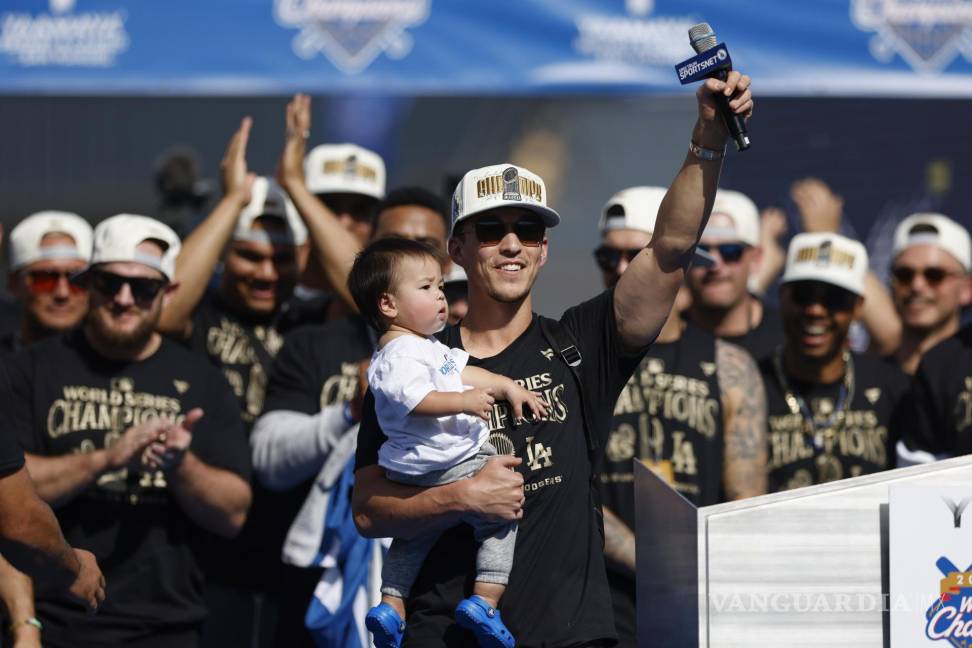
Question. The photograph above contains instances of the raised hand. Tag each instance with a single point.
(736, 82)
(237, 179)
(478, 402)
(821, 210)
(290, 169)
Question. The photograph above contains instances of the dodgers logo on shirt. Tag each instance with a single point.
(950, 616)
(448, 366)
(352, 33)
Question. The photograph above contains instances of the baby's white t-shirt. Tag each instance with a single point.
(401, 375)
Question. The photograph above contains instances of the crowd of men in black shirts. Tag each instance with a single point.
(209, 447)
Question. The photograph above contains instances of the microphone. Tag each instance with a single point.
(703, 39)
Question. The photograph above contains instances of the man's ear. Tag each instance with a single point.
(454, 245)
(965, 294)
(755, 260)
(168, 292)
(387, 306)
(544, 248)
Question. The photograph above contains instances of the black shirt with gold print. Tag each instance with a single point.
(69, 400)
(824, 432)
(940, 419)
(558, 594)
(669, 415)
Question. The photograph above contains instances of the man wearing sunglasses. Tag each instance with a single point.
(558, 593)
(832, 413)
(932, 257)
(692, 410)
(302, 441)
(721, 301)
(136, 443)
(46, 248)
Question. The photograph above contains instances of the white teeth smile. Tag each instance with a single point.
(511, 267)
(815, 330)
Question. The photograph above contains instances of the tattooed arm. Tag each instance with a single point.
(619, 544)
(744, 405)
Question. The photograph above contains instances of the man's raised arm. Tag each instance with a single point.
(334, 247)
(202, 249)
(646, 291)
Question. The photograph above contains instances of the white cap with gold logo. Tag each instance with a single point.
(501, 185)
(827, 257)
(344, 168)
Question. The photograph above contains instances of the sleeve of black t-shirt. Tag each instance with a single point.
(898, 386)
(928, 422)
(11, 454)
(295, 380)
(370, 435)
(219, 437)
(20, 371)
(606, 364)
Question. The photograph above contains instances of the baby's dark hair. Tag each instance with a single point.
(373, 273)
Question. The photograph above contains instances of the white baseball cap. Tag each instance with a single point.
(501, 185)
(27, 236)
(937, 230)
(633, 208)
(637, 208)
(344, 168)
(269, 200)
(827, 257)
(116, 239)
(741, 211)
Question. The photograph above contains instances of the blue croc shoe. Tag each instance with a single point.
(386, 626)
(475, 614)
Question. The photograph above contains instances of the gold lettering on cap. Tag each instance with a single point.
(833, 257)
(356, 169)
(492, 185)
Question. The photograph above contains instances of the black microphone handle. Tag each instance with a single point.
(735, 123)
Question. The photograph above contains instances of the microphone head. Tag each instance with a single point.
(702, 37)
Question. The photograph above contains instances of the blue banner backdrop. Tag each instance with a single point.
(216, 47)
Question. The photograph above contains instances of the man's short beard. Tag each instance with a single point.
(130, 341)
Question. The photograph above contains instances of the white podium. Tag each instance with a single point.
(803, 568)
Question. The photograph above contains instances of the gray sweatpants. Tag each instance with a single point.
(496, 539)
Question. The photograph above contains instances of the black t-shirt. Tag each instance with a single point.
(11, 454)
(316, 367)
(940, 415)
(670, 416)
(861, 443)
(765, 338)
(242, 347)
(71, 400)
(557, 593)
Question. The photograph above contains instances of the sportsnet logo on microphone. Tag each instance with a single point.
(702, 66)
(950, 616)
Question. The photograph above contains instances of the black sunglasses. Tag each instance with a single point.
(833, 298)
(608, 258)
(144, 289)
(933, 276)
(729, 252)
(491, 231)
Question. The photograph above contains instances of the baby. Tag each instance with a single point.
(433, 408)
